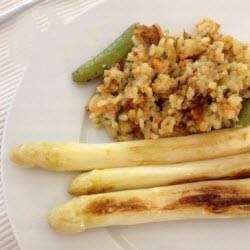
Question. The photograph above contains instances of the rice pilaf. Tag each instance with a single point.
(173, 85)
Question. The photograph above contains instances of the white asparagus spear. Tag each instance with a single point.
(210, 199)
(81, 157)
(114, 179)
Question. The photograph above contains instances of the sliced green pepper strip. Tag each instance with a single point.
(114, 53)
(244, 118)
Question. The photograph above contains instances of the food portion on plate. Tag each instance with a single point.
(173, 85)
(116, 179)
(179, 107)
(106, 59)
(200, 200)
(59, 156)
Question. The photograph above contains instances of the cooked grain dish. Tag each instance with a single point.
(173, 85)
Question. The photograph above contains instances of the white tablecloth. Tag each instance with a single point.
(10, 77)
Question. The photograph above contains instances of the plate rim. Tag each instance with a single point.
(8, 224)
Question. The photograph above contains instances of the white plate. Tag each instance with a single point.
(49, 106)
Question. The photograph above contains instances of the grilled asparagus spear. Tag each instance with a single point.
(82, 157)
(114, 179)
(211, 199)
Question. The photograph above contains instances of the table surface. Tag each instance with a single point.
(10, 77)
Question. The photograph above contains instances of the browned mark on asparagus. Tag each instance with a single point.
(191, 179)
(213, 202)
(97, 186)
(215, 199)
(241, 174)
(109, 205)
(244, 173)
(97, 190)
(92, 190)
